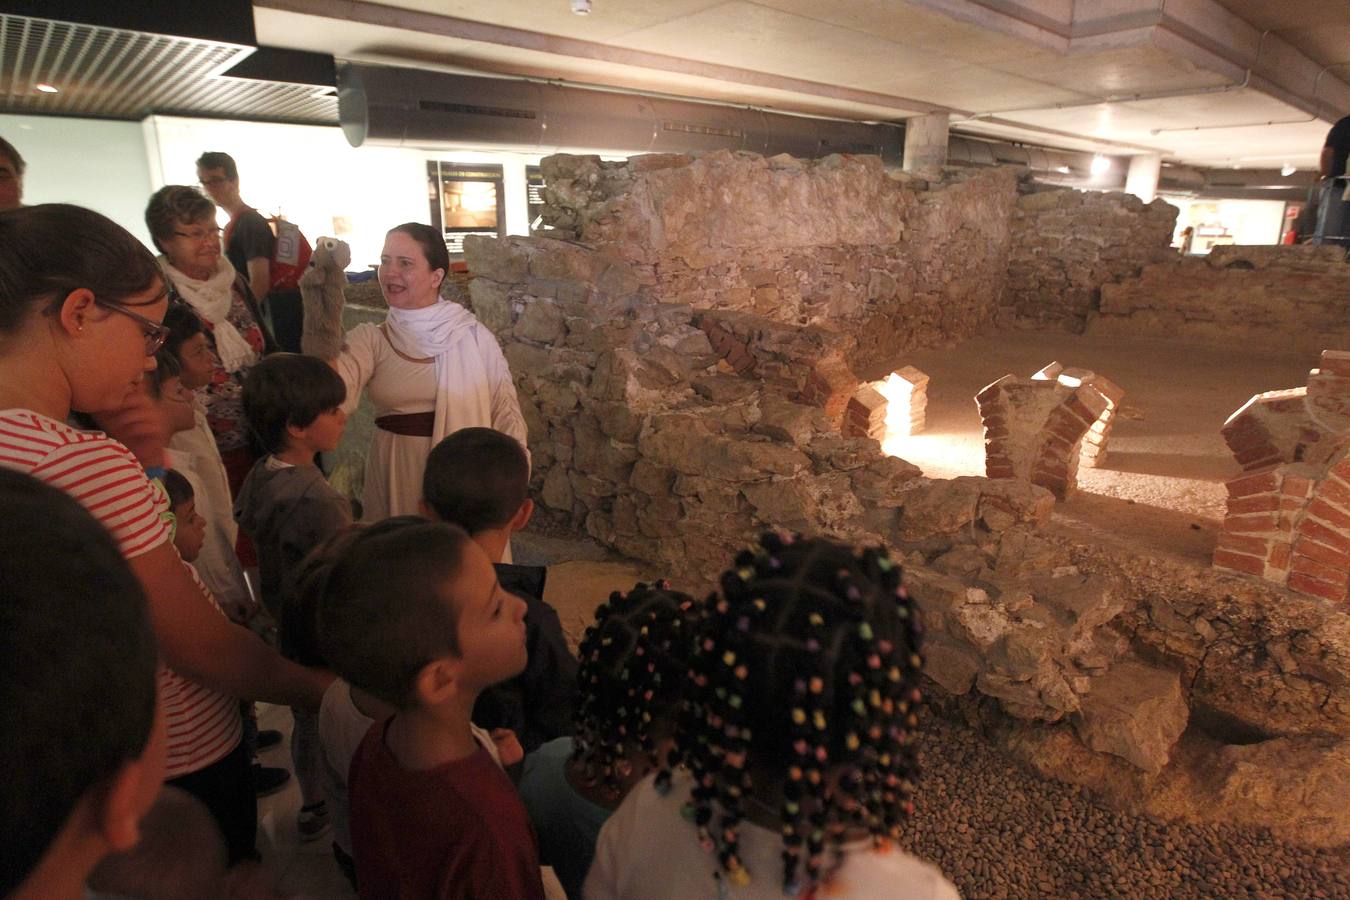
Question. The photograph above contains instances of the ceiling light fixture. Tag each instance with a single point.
(1063, 170)
(1286, 170)
(47, 88)
(1100, 165)
(581, 7)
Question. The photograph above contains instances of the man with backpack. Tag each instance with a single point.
(271, 254)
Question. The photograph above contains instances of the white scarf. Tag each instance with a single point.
(212, 300)
(432, 331)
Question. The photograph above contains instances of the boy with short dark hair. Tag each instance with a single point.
(84, 746)
(412, 614)
(478, 479)
(293, 405)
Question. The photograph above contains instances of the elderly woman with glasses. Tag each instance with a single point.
(183, 226)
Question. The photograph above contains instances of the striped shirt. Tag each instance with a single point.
(106, 479)
(203, 725)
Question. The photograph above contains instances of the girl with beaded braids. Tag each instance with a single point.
(797, 739)
(633, 663)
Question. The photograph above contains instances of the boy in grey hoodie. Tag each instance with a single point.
(293, 405)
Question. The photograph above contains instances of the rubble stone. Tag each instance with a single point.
(1135, 712)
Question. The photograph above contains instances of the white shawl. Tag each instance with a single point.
(212, 300)
(432, 331)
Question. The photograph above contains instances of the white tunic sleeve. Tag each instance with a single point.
(356, 362)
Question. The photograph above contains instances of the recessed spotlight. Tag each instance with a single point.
(1100, 165)
(581, 7)
(47, 88)
(1286, 170)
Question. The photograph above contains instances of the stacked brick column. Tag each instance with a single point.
(1288, 515)
(1035, 428)
(912, 385)
(866, 414)
(896, 406)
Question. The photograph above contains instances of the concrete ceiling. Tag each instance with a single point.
(1205, 82)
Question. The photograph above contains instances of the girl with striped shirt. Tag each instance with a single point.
(81, 303)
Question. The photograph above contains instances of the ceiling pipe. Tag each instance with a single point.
(1312, 118)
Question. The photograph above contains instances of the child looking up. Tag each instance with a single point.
(293, 405)
(84, 745)
(633, 665)
(412, 614)
(189, 528)
(797, 734)
(184, 364)
(478, 479)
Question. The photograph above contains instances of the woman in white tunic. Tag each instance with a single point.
(431, 368)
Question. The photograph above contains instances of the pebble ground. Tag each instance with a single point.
(999, 831)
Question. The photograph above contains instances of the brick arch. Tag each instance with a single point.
(1288, 518)
(1296, 425)
(1037, 429)
(1290, 524)
(1320, 558)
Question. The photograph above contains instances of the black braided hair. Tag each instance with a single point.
(806, 669)
(631, 675)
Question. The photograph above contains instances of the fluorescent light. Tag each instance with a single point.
(47, 88)
(1100, 165)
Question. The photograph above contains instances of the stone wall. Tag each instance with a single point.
(1292, 297)
(674, 433)
(1067, 244)
(894, 261)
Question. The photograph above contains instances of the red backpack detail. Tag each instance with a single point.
(290, 257)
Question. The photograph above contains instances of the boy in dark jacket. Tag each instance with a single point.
(293, 405)
(478, 479)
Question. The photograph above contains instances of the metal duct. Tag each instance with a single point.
(1067, 168)
(383, 105)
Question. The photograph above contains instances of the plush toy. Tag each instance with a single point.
(322, 290)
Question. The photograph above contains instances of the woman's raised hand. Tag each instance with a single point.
(140, 425)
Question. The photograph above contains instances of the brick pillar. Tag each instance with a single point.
(866, 414)
(1288, 518)
(1036, 428)
(896, 406)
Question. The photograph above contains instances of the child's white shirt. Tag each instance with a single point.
(194, 454)
(648, 851)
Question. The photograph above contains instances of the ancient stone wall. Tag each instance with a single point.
(896, 262)
(1291, 297)
(674, 433)
(1067, 244)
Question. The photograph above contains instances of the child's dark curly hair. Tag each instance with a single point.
(805, 672)
(631, 677)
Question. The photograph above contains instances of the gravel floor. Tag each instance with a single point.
(997, 830)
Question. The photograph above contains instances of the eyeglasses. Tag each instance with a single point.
(211, 234)
(155, 333)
